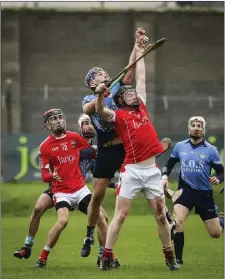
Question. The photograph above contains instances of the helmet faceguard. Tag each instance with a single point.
(89, 132)
(199, 119)
(91, 75)
(49, 115)
(127, 97)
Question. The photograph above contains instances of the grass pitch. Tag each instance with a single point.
(138, 247)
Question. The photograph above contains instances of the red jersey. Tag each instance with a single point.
(139, 137)
(64, 155)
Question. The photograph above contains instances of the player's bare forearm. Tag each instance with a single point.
(139, 37)
(140, 75)
(89, 108)
(130, 74)
(106, 114)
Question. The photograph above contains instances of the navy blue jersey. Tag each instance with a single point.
(196, 163)
(105, 131)
(86, 165)
(87, 160)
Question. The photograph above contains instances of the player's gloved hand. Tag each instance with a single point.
(56, 176)
(214, 180)
(140, 37)
(102, 89)
(165, 182)
(95, 147)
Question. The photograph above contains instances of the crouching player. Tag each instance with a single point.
(45, 201)
(197, 158)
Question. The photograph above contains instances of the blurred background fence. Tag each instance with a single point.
(47, 53)
(170, 112)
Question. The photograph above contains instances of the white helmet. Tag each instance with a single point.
(83, 118)
(90, 133)
(198, 119)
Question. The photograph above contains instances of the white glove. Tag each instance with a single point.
(165, 182)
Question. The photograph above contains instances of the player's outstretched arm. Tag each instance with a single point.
(107, 114)
(139, 42)
(130, 74)
(140, 75)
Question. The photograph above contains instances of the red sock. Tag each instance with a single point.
(44, 255)
(168, 252)
(107, 253)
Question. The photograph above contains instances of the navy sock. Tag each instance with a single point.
(179, 244)
(100, 251)
(169, 216)
(112, 185)
(221, 219)
(90, 231)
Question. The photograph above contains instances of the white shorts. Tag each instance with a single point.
(140, 178)
(73, 199)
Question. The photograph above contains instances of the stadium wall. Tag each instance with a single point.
(46, 54)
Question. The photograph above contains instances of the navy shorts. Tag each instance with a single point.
(202, 201)
(48, 192)
(109, 160)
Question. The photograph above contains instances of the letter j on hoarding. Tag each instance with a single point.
(23, 158)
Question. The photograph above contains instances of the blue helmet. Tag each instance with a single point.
(91, 75)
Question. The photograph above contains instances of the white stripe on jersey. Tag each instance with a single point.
(130, 140)
(44, 141)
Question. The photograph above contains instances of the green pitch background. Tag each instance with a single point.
(138, 246)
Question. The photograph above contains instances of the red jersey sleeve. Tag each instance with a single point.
(117, 115)
(45, 165)
(81, 142)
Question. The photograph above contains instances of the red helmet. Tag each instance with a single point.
(51, 113)
(60, 128)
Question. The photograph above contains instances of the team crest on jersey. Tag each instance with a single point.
(202, 156)
(73, 143)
